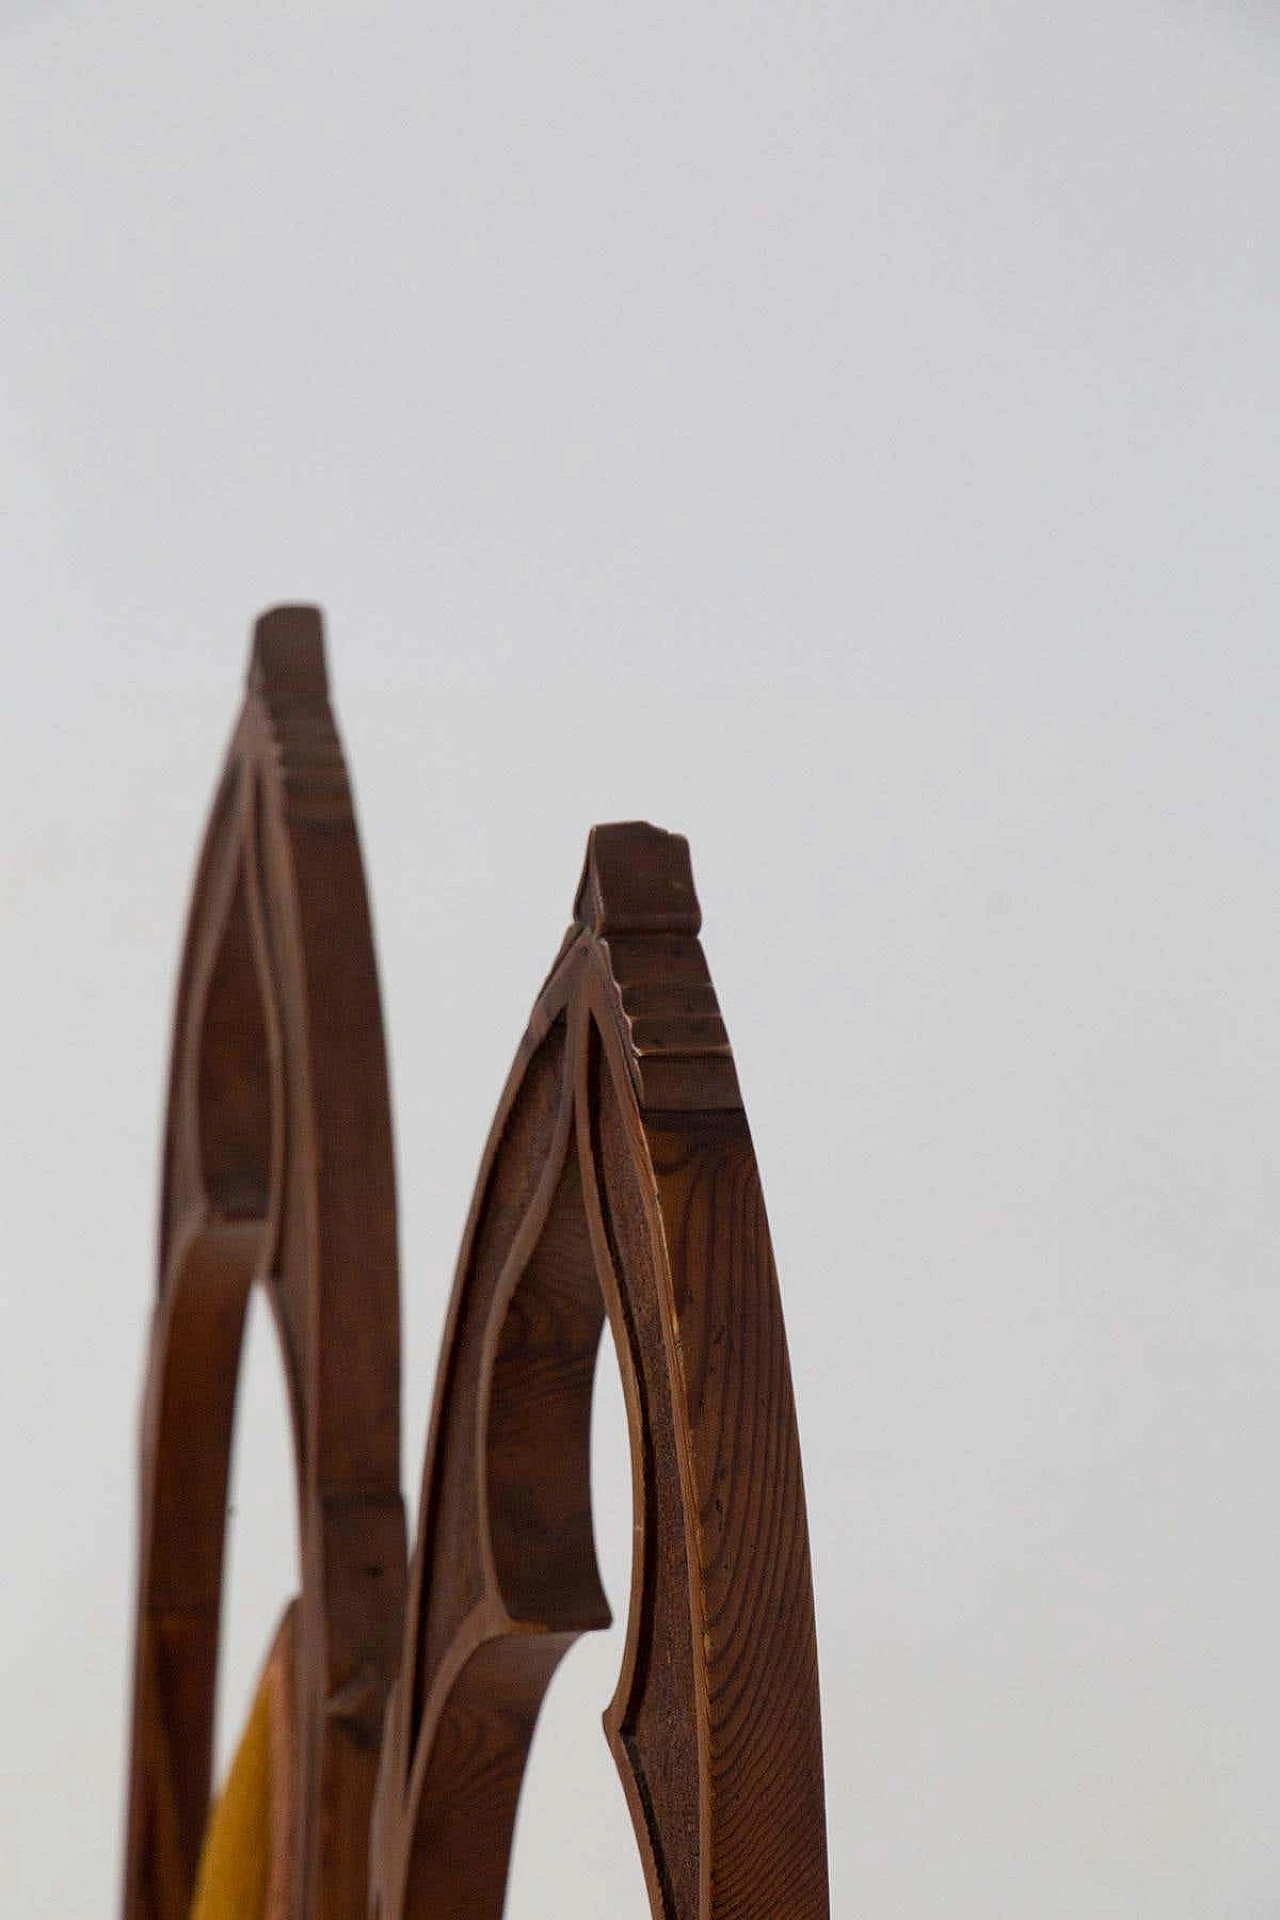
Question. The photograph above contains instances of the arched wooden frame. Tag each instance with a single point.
(277, 1170)
(619, 1182)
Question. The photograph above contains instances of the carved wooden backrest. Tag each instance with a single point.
(619, 1184)
(277, 1169)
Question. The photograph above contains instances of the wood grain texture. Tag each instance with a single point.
(619, 1182)
(277, 1171)
(619, 1185)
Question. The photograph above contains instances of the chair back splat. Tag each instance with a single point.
(619, 1184)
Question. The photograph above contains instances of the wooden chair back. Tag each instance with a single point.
(619, 1184)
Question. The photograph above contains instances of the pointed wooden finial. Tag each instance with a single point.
(286, 656)
(636, 879)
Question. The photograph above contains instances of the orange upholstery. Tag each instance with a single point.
(245, 1865)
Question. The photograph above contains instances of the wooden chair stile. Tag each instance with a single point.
(619, 1184)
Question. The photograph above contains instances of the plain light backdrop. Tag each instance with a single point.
(846, 433)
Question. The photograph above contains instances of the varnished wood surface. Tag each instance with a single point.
(278, 1172)
(619, 1186)
(620, 1183)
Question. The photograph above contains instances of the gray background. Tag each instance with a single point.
(847, 434)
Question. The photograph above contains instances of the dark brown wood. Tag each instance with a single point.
(619, 1185)
(619, 1182)
(277, 1170)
